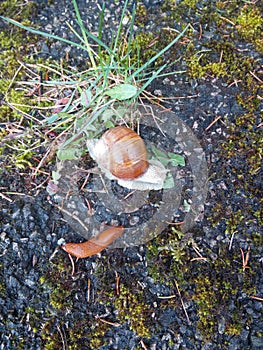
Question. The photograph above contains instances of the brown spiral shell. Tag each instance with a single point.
(122, 151)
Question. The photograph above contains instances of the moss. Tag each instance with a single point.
(2, 283)
(220, 58)
(60, 289)
(14, 9)
(97, 332)
(16, 52)
(58, 286)
(249, 23)
(245, 141)
(197, 70)
(131, 308)
(85, 330)
(169, 250)
(215, 281)
(259, 45)
(189, 3)
(215, 285)
(76, 335)
(146, 45)
(141, 15)
(243, 150)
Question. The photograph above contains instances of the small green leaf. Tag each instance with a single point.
(109, 124)
(158, 153)
(176, 159)
(169, 181)
(122, 92)
(163, 160)
(56, 176)
(69, 153)
(161, 156)
(109, 113)
(187, 206)
(169, 158)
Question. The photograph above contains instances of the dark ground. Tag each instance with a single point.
(43, 307)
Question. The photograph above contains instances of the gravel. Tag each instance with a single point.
(36, 275)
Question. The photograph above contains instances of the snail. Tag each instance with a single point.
(95, 245)
(121, 154)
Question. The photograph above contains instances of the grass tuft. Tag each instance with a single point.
(83, 103)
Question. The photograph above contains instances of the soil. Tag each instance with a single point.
(200, 289)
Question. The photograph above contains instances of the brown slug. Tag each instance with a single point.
(95, 245)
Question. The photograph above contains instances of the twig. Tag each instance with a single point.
(200, 256)
(231, 240)
(129, 194)
(47, 156)
(88, 292)
(175, 223)
(167, 297)
(151, 113)
(245, 259)
(63, 338)
(72, 264)
(107, 322)
(186, 314)
(221, 56)
(143, 345)
(90, 209)
(85, 181)
(227, 20)
(5, 197)
(18, 194)
(72, 216)
(200, 32)
(235, 82)
(213, 122)
(257, 78)
(37, 170)
(117, 283)
(256, 298)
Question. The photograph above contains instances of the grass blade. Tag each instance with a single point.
(148, 82)
(116, 41)
(101, 18)
(99, 42)
(38, 32)
(143, 67)
(82, 28)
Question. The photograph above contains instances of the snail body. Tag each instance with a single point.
(121, 154)
(95, 245)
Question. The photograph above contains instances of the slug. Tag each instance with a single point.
(94, 245)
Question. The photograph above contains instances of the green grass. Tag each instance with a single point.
(97, 97)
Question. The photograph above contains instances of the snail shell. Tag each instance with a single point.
(121, 151)
(121, 154)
